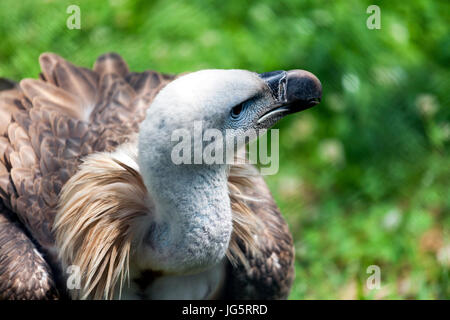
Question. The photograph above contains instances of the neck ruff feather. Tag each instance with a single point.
(99, 211)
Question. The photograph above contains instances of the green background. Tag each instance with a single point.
(364, 177)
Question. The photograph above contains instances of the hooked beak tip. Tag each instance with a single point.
(294, 90)
(303, 89)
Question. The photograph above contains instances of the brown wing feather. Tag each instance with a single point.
(270, 270)
(48, 125)
(24, 274)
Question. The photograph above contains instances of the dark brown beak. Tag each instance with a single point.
(293, 91)
(298, 89)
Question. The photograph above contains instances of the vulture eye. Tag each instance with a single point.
(237, 111)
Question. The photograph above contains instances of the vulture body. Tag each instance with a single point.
(76, 200)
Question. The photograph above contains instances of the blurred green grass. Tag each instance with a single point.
(364, 178)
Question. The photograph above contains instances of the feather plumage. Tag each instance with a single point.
(48, 126)
(24, 273)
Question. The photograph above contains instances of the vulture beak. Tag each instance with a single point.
(293, 91)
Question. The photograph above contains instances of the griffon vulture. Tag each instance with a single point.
(92, 207)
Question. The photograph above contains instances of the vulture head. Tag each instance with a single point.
(192, 222)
